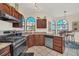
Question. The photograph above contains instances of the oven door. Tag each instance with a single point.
(19, 48)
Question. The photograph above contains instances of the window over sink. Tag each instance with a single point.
(58, 25)
(30, 24)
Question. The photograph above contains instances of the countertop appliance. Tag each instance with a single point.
(18, 41)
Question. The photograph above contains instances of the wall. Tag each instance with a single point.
(72, 19)
(5, 25)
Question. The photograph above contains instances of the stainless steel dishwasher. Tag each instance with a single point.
(48, 41)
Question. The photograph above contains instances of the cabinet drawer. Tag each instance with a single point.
(57, 44)
(57, 41)
(5, 51)
(57, 49)
(58, 38)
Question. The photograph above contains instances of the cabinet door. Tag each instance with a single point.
(30, 41)
(41, 40)
(49, 42)
(36, 40)
(58, 44)
(16, 25)
(5, 7)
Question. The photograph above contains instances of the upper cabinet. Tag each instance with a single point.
(9, 13)
(41, 23)
(6, 8)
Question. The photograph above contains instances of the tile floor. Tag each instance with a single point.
(44, 51)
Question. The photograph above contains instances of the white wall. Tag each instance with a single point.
(5, 25)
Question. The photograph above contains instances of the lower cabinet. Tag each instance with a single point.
(49, 42)
(39, 40)
(35, 40)
(30, 41)
(54, 42)
(5, 51)
(58, 44)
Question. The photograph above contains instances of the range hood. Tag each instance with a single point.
(6, 17)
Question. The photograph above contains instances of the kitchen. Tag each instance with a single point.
(39, 29)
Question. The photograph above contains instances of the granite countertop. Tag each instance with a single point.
(45, 34)
(3, 45)
(51, 35)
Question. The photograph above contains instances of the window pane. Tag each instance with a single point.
(53, 25)
(62, 25)
(30, 23)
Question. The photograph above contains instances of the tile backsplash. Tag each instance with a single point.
(5, 25)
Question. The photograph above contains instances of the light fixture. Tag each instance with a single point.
(65, 14)
(36, 7)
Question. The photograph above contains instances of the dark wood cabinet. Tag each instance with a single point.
(30, 40)
(53, 42)
(58, 44)
(10, 10)
(39, 40)
(16, 14)
(17, 25)
(5, 51)
(5, 7)
(42, 40)
(35, 40)
(41, 23)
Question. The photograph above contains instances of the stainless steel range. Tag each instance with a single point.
(18, 41)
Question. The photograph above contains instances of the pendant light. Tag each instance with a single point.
(36, 8)
(65, 14)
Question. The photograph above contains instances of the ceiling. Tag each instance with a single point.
(49, 9)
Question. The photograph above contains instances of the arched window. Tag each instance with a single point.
(58, 25)
(62, 25)
(53, 25)
(30, 24)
